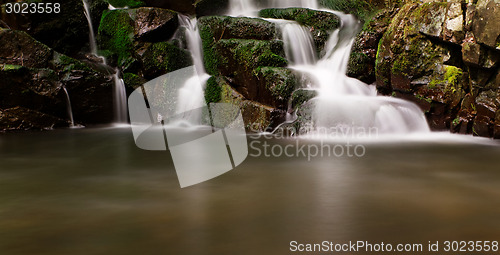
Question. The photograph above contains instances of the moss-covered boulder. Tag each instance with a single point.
(241, 61)
(116, 38)
(258, 117)
(163, 57)
(216, 28)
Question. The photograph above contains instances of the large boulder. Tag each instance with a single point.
(135, 41)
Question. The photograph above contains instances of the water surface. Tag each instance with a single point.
(91, 191)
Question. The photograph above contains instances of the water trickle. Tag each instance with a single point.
(69, 109)
(303, 51)
(92, 41)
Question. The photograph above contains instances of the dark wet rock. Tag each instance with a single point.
(184, 6)
(126, 3)
(275, 87)
(66, 32)
(486, 23)
(20, 118)
(154, 25)
(211, 7)
(19, 48)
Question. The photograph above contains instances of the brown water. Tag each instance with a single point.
(91, 191)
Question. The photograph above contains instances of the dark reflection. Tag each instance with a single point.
(91, 191)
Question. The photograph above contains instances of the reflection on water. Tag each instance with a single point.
(91, 191)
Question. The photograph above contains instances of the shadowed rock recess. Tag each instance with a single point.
(444, 56)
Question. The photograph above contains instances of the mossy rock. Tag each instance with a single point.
(164, 57)
(116, 35)
(133, 81)
(277, 85)
(19, 48)
(215, 28)
(213, 91)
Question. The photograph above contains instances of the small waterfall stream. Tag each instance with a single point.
(69, 109)
(119, 92)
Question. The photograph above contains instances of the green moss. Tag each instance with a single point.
(213, 91)
(456, 121)
(453, 75)
(6, 67)
(422, 98)
(116, 33)
(279, 81)
(65, 63)
(165, 57)
(133, 81)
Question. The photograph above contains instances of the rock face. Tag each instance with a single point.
(33, 76)
(66, 32)
(445, 58)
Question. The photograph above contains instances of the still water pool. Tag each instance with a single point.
(92, 191)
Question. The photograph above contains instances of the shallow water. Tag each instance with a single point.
(91, 191)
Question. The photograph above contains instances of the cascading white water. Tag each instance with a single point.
(191, 95)
(69, 109)
(119, 92)
(303, 50)
(344, 102)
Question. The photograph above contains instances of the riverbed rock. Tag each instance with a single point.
(20, 118)
(184, 6)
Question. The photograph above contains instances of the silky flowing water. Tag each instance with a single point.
(92, 191)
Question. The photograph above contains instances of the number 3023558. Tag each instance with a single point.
(30, 8)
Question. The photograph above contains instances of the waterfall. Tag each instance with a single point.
(242, 8)
(119, 92)
(119, 99)
(303, 51)
(69, 109)
(92, 41)
(191, 95)
(345, 102)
